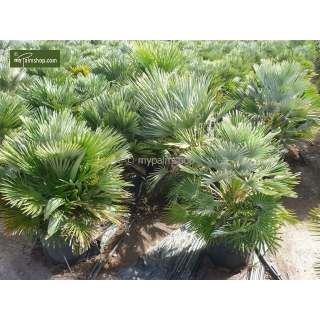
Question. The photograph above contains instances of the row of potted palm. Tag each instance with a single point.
(67, 133)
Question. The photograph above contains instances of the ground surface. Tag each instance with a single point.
(149, 231)
(295, 260)
(299, 251)
(20, 260)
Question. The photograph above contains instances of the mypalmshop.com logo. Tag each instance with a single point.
(34, 58)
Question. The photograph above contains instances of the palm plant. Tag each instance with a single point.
(11, 78)
(56, 75)
(230, 188)
(63, 179)
(117, 109)
(6, 44)
(174, 108)
(90, 86)
(165, 56)
(160, 111)
(115, 68)
(280, 95)
(302, 51)
(11, 108)
(176, 112)
(80, 70)
(43, 92)
(112, 109)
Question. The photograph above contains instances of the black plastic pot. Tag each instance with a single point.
(224, 256)
(137, 184)
(56, 252)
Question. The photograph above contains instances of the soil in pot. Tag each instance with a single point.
(224, 256)
(57, 252)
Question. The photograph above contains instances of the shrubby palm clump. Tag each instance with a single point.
(117, 109)
(45, 93)
(11, 108)
(165, 56)
(67, 95)
(116, 68)
(301, 51)
(231, 187)
(112, 109)
(176, 111)
(11, 78)
(90, 86)
(62, 179)
(174, 107)
(280, 95)
(55, 75)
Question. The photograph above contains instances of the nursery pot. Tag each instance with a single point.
(136, 180)
(55, 253)
(225, 256)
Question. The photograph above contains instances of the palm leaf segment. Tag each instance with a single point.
(232, 185)
(63, 178)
